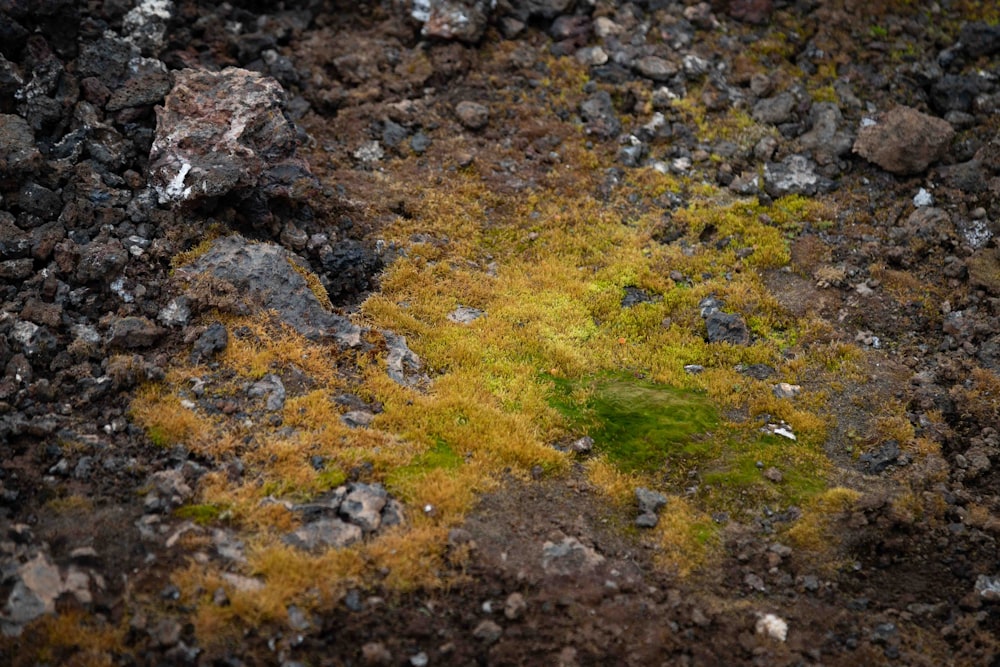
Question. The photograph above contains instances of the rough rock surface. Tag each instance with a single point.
(264, 276)
(218, 132)
(903, 140)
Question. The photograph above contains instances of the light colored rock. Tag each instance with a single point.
(324, 533)
(363, 506)
(569, 556)
(472, 115)
(464, 20)
(465, 315)
(773, 626)
(270, 386)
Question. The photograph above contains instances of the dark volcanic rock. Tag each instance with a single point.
(142, 90)
(727, 328)
(546, 9)
(18, 154)
(264, 275)
(599, 115)
(218, 132)
(134, 332)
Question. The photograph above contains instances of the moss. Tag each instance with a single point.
(314, 284)
(200, 514)
(638, 425)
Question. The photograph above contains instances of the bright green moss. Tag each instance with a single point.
(200, 514)
(439, 457)
(639, 425)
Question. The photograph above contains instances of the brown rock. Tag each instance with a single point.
(464, 20)
(904, 140)
(751, 11)
(472, 115)
(220, 131)
(39, 312)
(984, 270)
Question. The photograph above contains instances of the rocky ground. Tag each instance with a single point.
(211, 214)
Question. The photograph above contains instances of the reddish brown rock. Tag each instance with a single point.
(218, 132)
(904, 141)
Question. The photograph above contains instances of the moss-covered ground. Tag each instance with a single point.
(554, 356)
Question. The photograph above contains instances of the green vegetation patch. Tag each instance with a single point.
(439, 457)
(639, 425)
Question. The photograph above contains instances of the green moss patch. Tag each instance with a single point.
(639, 425)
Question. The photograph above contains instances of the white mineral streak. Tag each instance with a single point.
(175, 190)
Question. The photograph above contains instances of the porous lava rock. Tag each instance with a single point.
(904, 141)
(221, 131)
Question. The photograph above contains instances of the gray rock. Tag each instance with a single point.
(363, 506)
(212, 340)
(220, 131)
(600, 119)
(271, 386)
(569, 556)
(145, 25)
(514, 606)
(34, 340)
(16, 269)
(647, 520)
(357, 418)
(176, 313)
(656, 68)
(827, 140)
(324, 533)
(402, 364)
(167, 632)
(649, 501)
(583, 445)
(591, 55)
(392, 514)
(375, 653)
(39, 200)
(465, 315)
(904, 140)
(14, 242)
(38, 584)
(145, 89)
(101, 259)
(988, 588)
(297, 619)
(472, 115)
(774, 110)
(881, 457)
(786, 390)
(264, 276)
(727, 328)
(546, 9)
(796, 174)
(228, 546)
(170, 487)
